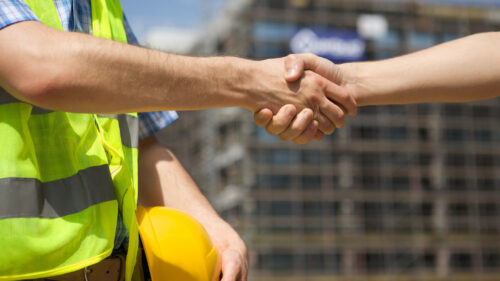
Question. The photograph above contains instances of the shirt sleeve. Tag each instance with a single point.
(152, 122)
(13, 11)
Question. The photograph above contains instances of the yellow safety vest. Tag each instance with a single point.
(65, 176)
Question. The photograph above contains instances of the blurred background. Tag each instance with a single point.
(401, 193)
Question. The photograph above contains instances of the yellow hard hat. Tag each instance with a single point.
(177, 246)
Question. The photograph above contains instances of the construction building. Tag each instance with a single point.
(400, 193)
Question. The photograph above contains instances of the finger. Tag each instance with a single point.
(294, 67)
(321, 66)
(263, 117)
(230, 271)
(342, 97)
(281, 120)
(324, 124)
(299, 125)
(318, 136)
(308, 134)
(334, 113)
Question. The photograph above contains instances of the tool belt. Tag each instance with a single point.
(110, 269)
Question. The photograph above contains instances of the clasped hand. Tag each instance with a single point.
(322, 105)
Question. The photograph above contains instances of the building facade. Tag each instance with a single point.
(400, 193)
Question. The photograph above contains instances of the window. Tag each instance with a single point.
(424, 209)
(281, 208)
(314, 261)
(457, 184)
(460, 261)
(485, 160)
(422, 159)
(458, 209)
(401, 261)
(428, 260)
(399, 159)
(455, 160)
(426, 184)
(481, 111)
(491, 260)
(275, 181)
(396, 133)
(454, 135)
(424, 109)
(276, 156)
(311, 157)
(372, 209)
(366, 133)
(423, 134)
(311, 182)
(452, 110)
(488, 210)
(400, 183)
(331, 208)
(311, 208)
(369, 159)
(375, 262)
(275, 261)
(368, 110)
(486, 184)
(483, 135)
(369, 182)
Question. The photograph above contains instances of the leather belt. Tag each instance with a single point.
(110, 269)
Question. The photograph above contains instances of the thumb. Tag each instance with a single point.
(296, 64)
(294, 67)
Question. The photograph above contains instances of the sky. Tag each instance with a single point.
(152, 15)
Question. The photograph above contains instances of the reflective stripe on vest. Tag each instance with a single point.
(64, 176)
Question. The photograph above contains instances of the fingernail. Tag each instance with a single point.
(290, 72)
(307, 114)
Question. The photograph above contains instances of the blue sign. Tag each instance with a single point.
(338, 46)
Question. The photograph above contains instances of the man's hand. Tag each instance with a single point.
(164, 182)
(312, 92)
(234, 256)
(298, 127)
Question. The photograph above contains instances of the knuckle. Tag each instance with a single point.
(284, 137)
(344, 97)
(328, 128)
(271, 130)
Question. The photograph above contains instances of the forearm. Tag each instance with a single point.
(79, 73)
(164, 182)
(463, 70)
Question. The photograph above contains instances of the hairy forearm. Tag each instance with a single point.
(463, 70)
(79, 73)
(164, 182)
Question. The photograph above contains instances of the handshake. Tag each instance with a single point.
(313, 100)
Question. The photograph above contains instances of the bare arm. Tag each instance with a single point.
(164, 182)
(80, 73)
(463, 70)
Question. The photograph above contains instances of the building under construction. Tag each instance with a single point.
(400, 193)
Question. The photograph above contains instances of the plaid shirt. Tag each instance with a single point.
(75, 15)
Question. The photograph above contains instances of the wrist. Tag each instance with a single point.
(224, 237)
(358, 82)
(238, 83)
